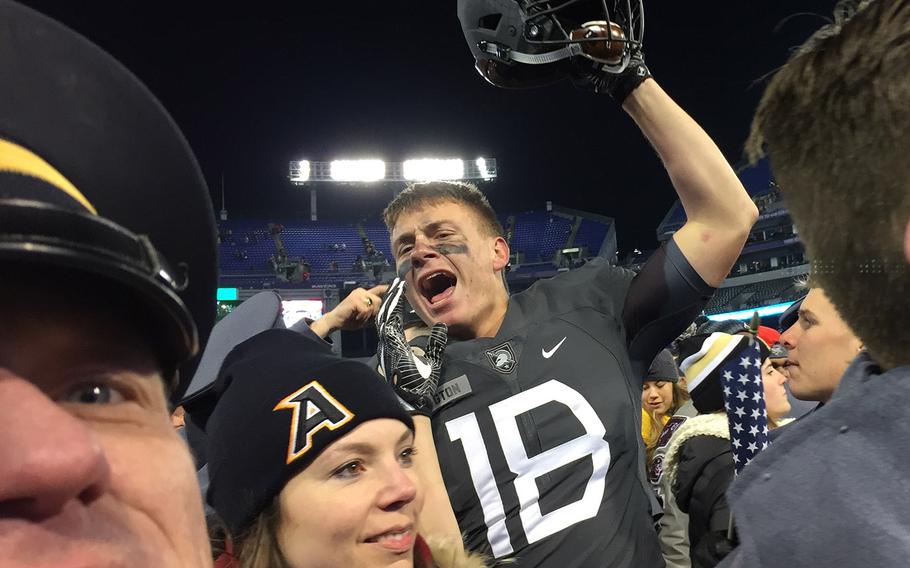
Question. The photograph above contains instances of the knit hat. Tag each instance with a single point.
(701, 358)
(663, 368)
(284, 398)
(768, 334)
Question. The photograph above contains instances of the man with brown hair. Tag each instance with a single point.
(537, 417)
(820, 346)
(836, 124)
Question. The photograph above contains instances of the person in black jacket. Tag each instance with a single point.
(699, 459)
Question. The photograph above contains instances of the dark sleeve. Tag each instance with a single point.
(303, 326)
(663, 299)
(704, 473)
(711, 489)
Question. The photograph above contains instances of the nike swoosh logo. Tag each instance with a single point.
(425, 369)
(547, 354)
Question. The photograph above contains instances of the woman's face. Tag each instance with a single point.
(657, 397)
(776, 400)
(356, 504)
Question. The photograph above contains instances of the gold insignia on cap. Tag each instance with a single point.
(16, 159)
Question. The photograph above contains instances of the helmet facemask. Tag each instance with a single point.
(530, 43)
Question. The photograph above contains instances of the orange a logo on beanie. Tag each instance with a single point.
(320, 410)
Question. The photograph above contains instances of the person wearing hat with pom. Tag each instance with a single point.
(699, 460)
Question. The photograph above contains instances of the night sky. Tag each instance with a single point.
(256, 85)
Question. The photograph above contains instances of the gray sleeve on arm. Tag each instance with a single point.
(663, 299)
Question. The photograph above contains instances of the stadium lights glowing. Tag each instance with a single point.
(357, 170)
(303, 172)
(300, 173)
(481, 164)
(774, 310)
(429, 169)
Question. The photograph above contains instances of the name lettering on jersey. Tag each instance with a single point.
(502, 358)
(450, 391)
(320, 410)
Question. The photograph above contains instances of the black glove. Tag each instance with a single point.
(414, 378)
(590, 76)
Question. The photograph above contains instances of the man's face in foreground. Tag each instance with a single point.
(820, 347)
(91, 471)
(452, 267)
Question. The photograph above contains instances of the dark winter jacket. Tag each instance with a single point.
(705, 473)
(833, 491)
(701, 468)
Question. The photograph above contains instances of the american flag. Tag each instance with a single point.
(744, 402)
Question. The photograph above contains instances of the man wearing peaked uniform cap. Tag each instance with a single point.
(107, 281)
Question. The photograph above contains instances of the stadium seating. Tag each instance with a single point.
(259, 248)
(313, 240)
(591, 234)
(753, 295)
(379, 236)
(538, 235)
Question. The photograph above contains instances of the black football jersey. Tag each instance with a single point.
(538, 428)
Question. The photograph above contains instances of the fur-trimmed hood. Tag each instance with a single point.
(449, 554)
(714, 424)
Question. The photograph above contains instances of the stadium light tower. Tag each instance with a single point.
(305, 172)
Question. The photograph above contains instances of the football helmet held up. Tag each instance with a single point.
(523, 44)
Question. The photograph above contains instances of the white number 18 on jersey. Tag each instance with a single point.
(536, 525)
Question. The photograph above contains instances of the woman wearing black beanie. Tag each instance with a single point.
(311, 461)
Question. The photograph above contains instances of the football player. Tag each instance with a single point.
(537, 415)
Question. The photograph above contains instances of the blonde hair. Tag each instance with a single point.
(258, 546)
(680, 397)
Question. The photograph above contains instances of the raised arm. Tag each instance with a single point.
(719, 211)
(354, 312)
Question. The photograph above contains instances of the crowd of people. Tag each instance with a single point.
(590, 420)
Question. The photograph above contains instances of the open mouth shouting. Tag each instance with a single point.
(437, 286)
